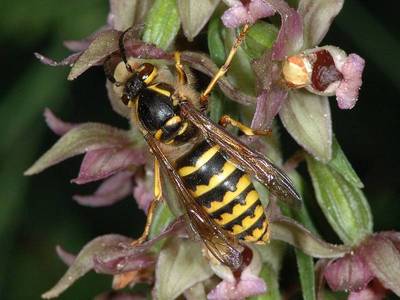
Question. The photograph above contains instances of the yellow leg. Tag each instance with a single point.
(221, 72)
(179, 68)
(225, 120)
(153, 204)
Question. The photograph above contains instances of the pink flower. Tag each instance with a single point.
(110, 153)
(245, 12)
(377, 259)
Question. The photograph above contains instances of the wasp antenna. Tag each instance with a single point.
(122, 49)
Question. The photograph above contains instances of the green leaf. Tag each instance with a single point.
(340, 164)
(162, 24)
(343, 204)
(162, 217)
(305, 266)
(180, 265)
(216, 45)
(307, 117)
(271, 278)
(195, 14)
(260, 37)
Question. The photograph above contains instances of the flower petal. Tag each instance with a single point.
(290, 36)
(235, 16)
(307, 117)
(383, 259)
(317, 18)
(104, 44)
(103, 245)
(122, 264)
(180, 265)
(295, 234)
(68, 61)
(119, 296)
(57, 125)
(82, 138)
(226, 290)
(374, 292)
(66, 257)
(259, 9)
(347, 92)
(102, 163)
(348, 273)
(112, 190)
(109, 247)
(115, 100)
(194, 15)
(142, 194)
(122, 13)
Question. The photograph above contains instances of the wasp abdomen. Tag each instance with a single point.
(224, 191)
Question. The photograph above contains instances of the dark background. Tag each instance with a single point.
(37, 213)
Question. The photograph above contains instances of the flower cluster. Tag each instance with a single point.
(293, 77)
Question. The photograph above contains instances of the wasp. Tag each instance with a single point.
(212, 178)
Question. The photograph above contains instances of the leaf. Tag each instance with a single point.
(293, 233)
(180, 265)
(340, 164)
(344, 205)
(305, 266)
(194, 15)
(83, 138)
(307, 117)
(162, 23)
(215, 42)
(317, 18)
(104, 44)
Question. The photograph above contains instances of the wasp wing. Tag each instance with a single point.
(252, 162)
(220, 242)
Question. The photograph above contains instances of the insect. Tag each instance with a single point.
(213, 178)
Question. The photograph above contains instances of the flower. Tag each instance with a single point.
(239, 284)
(110, 153)
(374, 264)
(245, 12)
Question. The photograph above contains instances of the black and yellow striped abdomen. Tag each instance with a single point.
(224, 191)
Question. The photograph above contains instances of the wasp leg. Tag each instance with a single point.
(122, 49)
(182, 79)
(225, 120)
(153, 204)
(221, 72)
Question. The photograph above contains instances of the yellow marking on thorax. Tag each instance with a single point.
(238, 209)
(161, 91)
(248, 221)
(158, 134)
(241, 185)
(227, 169)
(204, 158)
(174, 120)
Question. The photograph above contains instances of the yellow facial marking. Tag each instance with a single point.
(238, 209)
(205, 157)
(248, 221)
(151, 77)
(157, 89)
(242, 184)
(215, 180)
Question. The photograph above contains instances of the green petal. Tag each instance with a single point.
(260, 37)
(162, 24)
(180, 265)
(307, 118)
